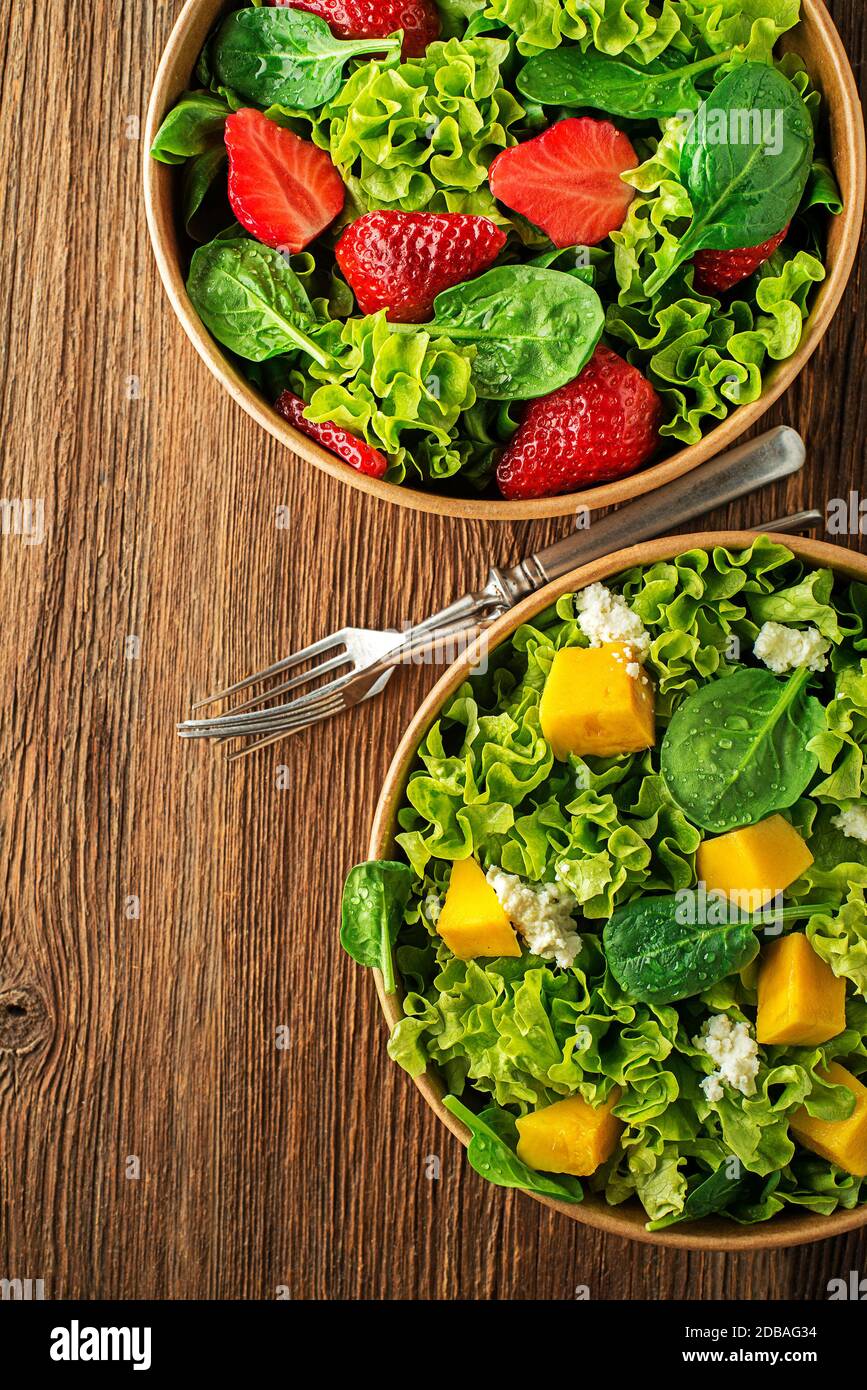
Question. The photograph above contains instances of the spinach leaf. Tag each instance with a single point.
(712, 1194)
(201, 176)
(374, 898)
(568, 77)
(737, 749)
(285, 56)
(658, 959)
(191, 128)
(533, 329)
(492, 1154)
(252, 301)
(745, 162)
(665, 948)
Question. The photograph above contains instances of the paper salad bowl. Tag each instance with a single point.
(713, 1233)
(818, 43)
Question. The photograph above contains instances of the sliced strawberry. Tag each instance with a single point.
(602, 425)
(717, 271)
(346, 446)
(567, 180)
(376, 19)
(282, 189)
(400, 261)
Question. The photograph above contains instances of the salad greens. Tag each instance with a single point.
(623, 1025)
(726, 134)
(373, 902)
(269, 56)
(734, 754)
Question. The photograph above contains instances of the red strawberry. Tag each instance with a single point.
(602, 425)
(282, 189)
(716, 271)
(346, 446)
(376, 19)
(401, 260)
(567, 180)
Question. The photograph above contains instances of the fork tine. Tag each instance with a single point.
(228, 726)
(302, 721)
(315, 649)
(322, 669)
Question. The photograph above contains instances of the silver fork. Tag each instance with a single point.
(366, 658)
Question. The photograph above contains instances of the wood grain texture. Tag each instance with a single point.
(153, 1037)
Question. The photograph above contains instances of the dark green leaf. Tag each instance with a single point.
(492, 1154)
(568, 77)
(736, 750)
(285, 56)
(658, 959)
(252, 301)
(192, 127)
(374, 898)
(200, 178)
(713, 1194)
(745, 161)
(533, 329)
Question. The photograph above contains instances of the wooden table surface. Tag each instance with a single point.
(165, 919)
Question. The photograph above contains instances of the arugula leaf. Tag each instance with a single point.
(533, 329)
(252, 301)
(737, 749)
(491, 1153)
(191, 128)
(745, 163)
(374, 898)
(568, 77)
(285, 56)
(657, 957)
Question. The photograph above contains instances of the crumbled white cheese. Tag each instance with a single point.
(734, 1051)
(606, 617)
(542, 915)
(783, 648)
(432, 906)
(853, 822)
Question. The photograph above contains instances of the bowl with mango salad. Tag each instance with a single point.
(615, 900)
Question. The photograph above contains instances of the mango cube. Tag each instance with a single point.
(569, 1136)
(754, 864)
(591, 703)
(472, 921)
(801, 1000)
(843, 1142)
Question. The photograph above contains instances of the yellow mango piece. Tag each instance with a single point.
(754, 864)
(843, 1142)
(801, 1000)
(591, 704)
(569, 1136)
(472, 921)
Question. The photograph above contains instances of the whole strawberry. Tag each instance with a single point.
(717, 271)
(400, 261)
(346, 446)
(376, 19)
(602, 425)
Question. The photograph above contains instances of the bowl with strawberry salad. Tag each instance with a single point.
(615, 902)
(500, 259)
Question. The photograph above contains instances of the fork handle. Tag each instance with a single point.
(772, 456)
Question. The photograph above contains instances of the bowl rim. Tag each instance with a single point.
(784, 1229)
(846, 125)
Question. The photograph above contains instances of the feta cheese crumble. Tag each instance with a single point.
(543, 916)
(853, 822)
(783, 648)
(606, 617)
(735, 1053)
